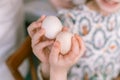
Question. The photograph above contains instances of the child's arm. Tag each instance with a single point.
(36, 33)
(60, 64)
(54, 75)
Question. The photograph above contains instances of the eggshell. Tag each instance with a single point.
(65, 39)
(52, 26)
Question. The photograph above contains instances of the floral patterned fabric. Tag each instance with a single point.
(101, 35)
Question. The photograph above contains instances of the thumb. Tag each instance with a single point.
(55, 51)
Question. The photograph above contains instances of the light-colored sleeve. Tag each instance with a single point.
(39, 74)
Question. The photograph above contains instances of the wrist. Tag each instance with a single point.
(58, 75)
(45, 70)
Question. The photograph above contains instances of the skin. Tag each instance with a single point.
(36, 33)
(105, 7)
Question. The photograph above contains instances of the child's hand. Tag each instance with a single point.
(40, 47)
(36, 33)
(60, 64)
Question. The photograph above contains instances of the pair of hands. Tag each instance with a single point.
(48, 52)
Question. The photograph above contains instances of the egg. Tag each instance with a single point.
(65, 39)
(52, 26)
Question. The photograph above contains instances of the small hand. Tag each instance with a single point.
(60, 64)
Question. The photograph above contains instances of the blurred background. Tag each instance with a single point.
(35, 8)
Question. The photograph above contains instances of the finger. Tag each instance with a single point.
(44, 44)
(39, 54)
(33, 28)
(40, 20)
(74, 50)
(55, 51)
(81, 44)
(38, 49)
(37, 37)
(65, 29)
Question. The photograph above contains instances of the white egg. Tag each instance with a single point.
(65, 39)
(52, 26)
